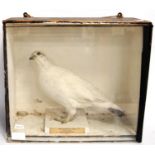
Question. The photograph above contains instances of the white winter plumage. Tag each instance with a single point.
(69, 90)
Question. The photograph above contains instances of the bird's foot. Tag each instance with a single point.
(66, 119)
(64, 116)
(60, 117)
(70, 116)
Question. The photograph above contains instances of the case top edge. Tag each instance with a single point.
(79, 20)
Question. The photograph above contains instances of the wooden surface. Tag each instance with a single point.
(111, 20)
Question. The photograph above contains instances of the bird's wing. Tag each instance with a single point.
(81, 90)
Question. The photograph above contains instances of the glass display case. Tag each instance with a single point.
(76, 79)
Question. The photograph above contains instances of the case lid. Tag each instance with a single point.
(110, 20)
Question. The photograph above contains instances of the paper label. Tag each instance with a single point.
(67, 131)
(19, 127)
(18, 132)
(18, 135)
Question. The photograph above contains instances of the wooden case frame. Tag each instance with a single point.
(118, 20)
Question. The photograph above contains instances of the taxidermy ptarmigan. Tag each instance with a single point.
(69, 90)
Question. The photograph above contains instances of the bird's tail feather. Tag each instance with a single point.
(109, 107)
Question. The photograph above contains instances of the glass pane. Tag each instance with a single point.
(74, 80)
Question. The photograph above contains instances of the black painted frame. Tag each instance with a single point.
(146, 52)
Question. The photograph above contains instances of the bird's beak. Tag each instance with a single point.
(32, 57)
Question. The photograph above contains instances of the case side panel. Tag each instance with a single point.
(147, 36)
(7, 109)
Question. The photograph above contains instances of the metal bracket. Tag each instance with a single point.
(26, 15)
(119, 15)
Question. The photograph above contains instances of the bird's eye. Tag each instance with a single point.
(38, 53)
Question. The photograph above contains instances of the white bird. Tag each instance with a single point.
(69, 90)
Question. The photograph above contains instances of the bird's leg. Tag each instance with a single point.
(57, 114)
(64, 116)
(70, 115)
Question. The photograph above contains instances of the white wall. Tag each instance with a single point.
(141, 9)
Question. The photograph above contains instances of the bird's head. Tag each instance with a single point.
(36, 55)
(40, 60)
